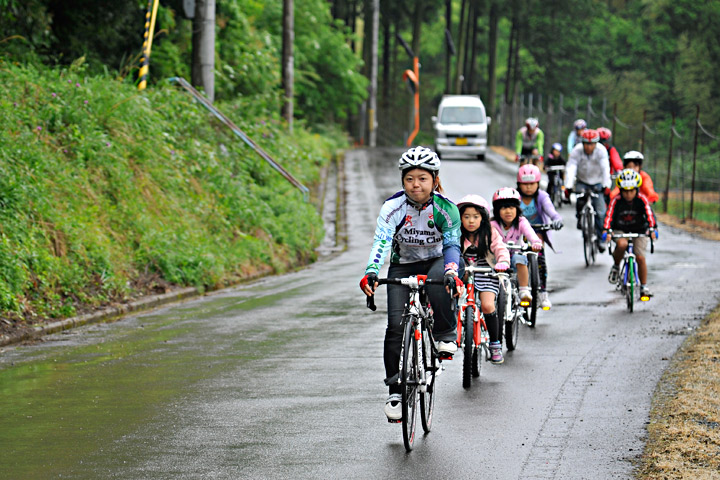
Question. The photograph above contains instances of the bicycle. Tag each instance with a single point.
(509, 307)
(529, 314)
(587, 225)
(473, 336)
(628, 278)
(556, 188)
(419, 358)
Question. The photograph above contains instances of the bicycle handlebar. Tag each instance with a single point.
(412, 282)
(633, 235)
(541, 227)
(554, 168)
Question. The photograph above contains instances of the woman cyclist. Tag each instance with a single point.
(420, 229)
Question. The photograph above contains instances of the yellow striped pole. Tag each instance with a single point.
(150, 17)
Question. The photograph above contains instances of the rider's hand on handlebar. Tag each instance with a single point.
(568, 191)
(517, 158)
(607, 191)
(537, 246)
(557, 224)
(368, 284)
(453, 284)
(501, 267)
(604, 236)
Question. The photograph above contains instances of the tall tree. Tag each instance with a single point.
(203, 40)
(288, 63)
(461, 48)
(492, 55)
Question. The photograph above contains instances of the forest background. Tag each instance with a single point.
(106, 193)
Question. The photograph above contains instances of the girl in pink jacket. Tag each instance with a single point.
(512, 226)
(482, 246)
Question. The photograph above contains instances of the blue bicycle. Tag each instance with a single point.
(628, 282)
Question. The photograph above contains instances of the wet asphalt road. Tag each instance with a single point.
(283, 378)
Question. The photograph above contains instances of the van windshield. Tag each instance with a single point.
(462, 115)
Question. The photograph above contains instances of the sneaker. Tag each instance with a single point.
(613, 276)
(545, 303)
(496, 355)
(645, 292)
(578, 226)
(601, 246)
(447, 347)
(525, 296)
(393, 407)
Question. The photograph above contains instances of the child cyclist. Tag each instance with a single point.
(420, 228)
(537, 207)
(630, 212)
(554, 159)
(512, 226)
(634, 160)
(482, 246)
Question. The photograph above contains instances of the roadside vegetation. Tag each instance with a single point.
(684, 430)
(106, 193)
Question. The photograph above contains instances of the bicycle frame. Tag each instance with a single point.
(468, 301)
(587, 222)
(626, 279)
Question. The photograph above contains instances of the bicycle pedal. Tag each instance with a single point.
(394, 421)
(445, 356)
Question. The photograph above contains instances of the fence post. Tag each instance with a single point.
(666, 195)
(695, 142)
(642, 133)
(614, 118)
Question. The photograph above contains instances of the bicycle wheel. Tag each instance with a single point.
(534, 289)
(556, 192)
(630, 285)
(468, 335)
(587, 238)
(509, 318)
(409, 384)
(427, 397)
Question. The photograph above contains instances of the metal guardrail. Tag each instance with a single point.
(237, 131)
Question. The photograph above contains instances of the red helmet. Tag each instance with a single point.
(590, 136)
(528, 174)
(474, 201)
(605, 133)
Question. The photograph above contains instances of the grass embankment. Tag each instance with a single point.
(684, 430)
(107, 193)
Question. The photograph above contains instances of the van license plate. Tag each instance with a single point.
(461, 141)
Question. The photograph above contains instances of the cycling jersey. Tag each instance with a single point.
(530, 211)
(629, 217)
(524, 141)
(414, 234)
(593, 169)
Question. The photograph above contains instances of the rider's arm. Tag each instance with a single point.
(519, 141)
(497, 247)
(571, 141)
(387, 222)
(616, 164)
(527, 230)
(571, 169)
(447, 218)
(547, 207)
(649, 214)
(648, 188)
(605, 166)
(610, 212)
(540, 142)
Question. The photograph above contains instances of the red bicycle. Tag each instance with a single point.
(473, 337)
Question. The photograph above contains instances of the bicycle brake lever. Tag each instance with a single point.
(371, 303)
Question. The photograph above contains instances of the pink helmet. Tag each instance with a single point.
(474, 200)
(507, 194)
(528, 174)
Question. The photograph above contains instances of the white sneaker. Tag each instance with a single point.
(545, 301)
(393, 407)
(525, 296)
(447, 347)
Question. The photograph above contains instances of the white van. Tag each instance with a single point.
(461, 125)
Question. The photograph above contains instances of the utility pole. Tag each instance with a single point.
(372, 123)
(288, 67)
(203, 41)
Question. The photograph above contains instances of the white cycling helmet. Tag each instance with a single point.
(474, 201)
(419, 157)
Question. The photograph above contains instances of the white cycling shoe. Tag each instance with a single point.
(447, 347)
(545, 303)
(393, 408)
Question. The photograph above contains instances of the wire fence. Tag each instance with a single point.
(681, 155)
